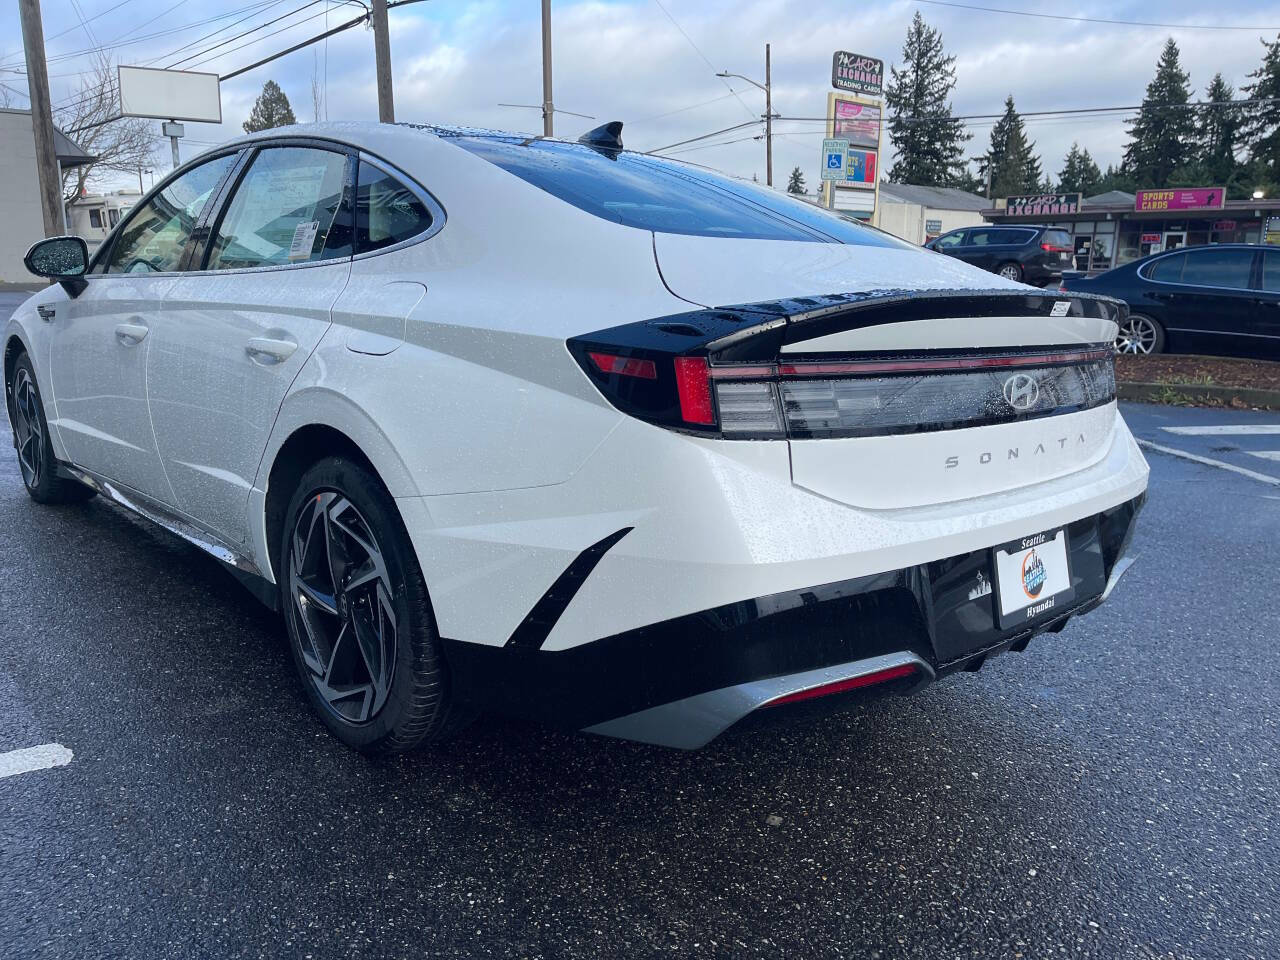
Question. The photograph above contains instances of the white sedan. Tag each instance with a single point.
(575, 433)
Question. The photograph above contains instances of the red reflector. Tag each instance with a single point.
(693, 383)
(624, 366)
(840, 686)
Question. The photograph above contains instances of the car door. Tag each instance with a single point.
(977, 247)
(101, 339)
(241, 322)
(1211, 307)
(1265, 324)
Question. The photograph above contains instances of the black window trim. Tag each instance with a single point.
(104, 251)
(1251, 284)
(198, 251)
(434, 207)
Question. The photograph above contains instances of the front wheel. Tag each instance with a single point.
(359, 620)
(1011, 271)
(36, 461)
(1140, 334)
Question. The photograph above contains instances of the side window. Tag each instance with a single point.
(1167, 269)
(114, 215)
(1011, 236)
(1218, 268)
(155, 236)
(95, 218)
(950, 240)
(285, 210)
(1271, 271)
(981, 238)
(387, 211)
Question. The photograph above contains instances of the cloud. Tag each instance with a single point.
(454, 61)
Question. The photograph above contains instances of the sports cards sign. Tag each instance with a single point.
(835, 155)
(857, 73)
(860, 168)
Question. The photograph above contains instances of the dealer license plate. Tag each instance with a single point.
(1033, 578)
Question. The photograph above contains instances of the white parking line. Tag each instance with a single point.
(1227, 430)
(1207, 461)
(1265, 454)
(33, 758)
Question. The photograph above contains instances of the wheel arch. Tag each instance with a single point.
(315, 424)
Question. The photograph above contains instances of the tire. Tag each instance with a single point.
(1140, 334)
(387, 691)
(1010, 271)
(36, 462)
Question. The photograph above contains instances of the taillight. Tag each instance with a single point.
(693, 385)
(624, 366)
(1054, 248)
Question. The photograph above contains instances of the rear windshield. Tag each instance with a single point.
(664, 196)
(1058, 238)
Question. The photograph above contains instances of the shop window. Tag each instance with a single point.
(95, 218)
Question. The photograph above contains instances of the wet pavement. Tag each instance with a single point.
(1111, 792)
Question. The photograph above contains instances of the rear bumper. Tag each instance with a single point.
(682, 681)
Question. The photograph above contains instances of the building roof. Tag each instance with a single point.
(68, 152)
(1110, 197)
(940, 198)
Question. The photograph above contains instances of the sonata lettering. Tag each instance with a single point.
(1013, 453)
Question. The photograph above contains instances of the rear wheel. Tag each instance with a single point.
(1140, 334)
(359, 620)
(1010, 271)
(36, 461)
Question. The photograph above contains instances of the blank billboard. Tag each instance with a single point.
(170, 94)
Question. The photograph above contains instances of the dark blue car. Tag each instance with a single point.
(1222, 299)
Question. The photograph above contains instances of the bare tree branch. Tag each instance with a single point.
(121, 144)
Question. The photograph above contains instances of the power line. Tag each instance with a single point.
(706, 136)
(694, 106)
(699, 52)
(1118, 23)
(214, 33)
(223, 43)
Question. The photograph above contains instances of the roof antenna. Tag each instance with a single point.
(605, 139)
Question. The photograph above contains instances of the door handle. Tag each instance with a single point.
(131, 334)
(267, 351)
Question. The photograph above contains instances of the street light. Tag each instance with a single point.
(1258, 194)
(767, 87)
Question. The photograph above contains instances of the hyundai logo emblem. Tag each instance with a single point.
(1021, 391)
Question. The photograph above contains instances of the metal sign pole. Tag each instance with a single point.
(173, 130)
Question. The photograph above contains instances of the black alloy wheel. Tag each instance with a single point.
(36, 461)
(360, 624)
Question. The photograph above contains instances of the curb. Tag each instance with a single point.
(1150, 392)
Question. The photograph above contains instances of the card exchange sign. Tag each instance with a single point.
(1042, 204)
(857, 73)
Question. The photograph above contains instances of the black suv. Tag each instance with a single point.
(1032, 254)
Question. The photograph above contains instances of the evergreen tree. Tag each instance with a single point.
(927, 140)
(1014, 167)
(1116, 179)
(1162, 136)
(796, 183)
(1218, 135)
(1262, 128)
(270, 110)
(1079, 173)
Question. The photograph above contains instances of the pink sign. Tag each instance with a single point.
(1192, 198)
(859, 123)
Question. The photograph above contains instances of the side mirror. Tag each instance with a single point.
(65, 259)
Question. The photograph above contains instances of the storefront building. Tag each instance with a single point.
(1117, 227)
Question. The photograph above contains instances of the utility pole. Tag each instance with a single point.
(767, 87)
(768, 120)
(41, 117)
(382, 57)
(548, 109)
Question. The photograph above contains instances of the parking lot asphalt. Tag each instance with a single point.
(1111, 792)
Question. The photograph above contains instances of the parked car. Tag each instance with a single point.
(574, 433)
(1223, 299)
(1031, 254)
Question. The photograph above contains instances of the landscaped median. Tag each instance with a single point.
(1199, 381)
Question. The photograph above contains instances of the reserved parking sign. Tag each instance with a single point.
(835, 155)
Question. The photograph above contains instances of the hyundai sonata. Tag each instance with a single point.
(576, 433)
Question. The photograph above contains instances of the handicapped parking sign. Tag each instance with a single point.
(835, 156)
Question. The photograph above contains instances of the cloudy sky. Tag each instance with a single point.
(652, 64)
